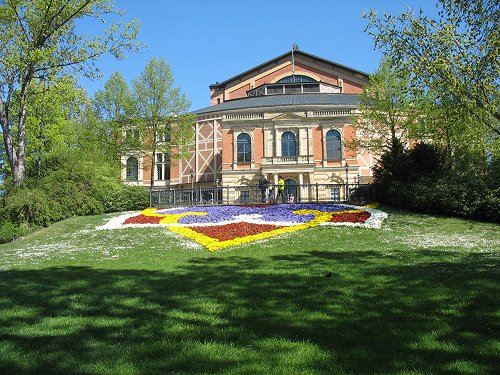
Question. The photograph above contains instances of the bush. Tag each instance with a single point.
(131, 198)
(75, 188)
(32, 206)
(10, 231)
(428, 187)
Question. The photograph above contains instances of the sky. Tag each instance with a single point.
(209, 41)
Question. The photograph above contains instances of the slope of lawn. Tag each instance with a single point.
(419, 296)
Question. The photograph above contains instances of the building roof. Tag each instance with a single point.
(297, 52)
(296, 100)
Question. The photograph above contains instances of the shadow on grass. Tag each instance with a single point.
(317, 312)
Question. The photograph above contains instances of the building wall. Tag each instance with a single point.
(213, 149)
(350, 81)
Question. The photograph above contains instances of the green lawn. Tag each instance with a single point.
(419, 296)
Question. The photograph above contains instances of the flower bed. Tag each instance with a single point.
(218, 227)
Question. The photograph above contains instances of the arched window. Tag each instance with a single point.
(288, 144)
(296, 79)
(244, 148)
(132, 169)
(333, 145)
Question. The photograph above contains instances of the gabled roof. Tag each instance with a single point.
(296, 100)
(297, 52)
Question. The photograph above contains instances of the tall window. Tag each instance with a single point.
(132, 136)
(132, 169)
(162, 167)
(163, 134)
(244, 148)
(288, 144)
(333, 145)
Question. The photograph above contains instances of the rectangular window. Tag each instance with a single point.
(293, 89)
(244, 155)
(245, 196)
(311, 88)
(163, 135)
(162, 167)
(335, 194)
(272, 90)
(333, 150)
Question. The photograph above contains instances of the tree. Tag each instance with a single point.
(113, 110)
(114, 102)
(38, 39)
(50, 125)
(458, 54)
(387, 115)
(162, 118)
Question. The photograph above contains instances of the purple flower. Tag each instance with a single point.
(278, 213)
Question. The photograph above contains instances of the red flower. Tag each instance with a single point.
(356, 217)
(141, 219)
(236, 230)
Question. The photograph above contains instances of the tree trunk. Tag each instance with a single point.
(18, 171)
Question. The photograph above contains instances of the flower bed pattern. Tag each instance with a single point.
(218, 227)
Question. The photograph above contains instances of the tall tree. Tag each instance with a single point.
(161, 110)
(387, 113)
(459, 53)
(50, 125)
(113, 108)
(38, 38)
(114, 102)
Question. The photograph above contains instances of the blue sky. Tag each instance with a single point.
(209, 41)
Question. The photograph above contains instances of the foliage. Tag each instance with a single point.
(162, 117)
(387, 113)
(456, 57)
(149, 119)
(114, 102)
(420, 180)
(69, 186)
(39, 39)
(51, 126)
(10, 231)
(32, 206)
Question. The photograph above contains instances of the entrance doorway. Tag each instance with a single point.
(291, 189)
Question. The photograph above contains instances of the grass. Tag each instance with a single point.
(419, 296)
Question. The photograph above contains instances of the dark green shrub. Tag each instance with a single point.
(427, 186)
(32, 206)
(9, 231)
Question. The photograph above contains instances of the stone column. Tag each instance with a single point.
(235, 149)
(301, 188)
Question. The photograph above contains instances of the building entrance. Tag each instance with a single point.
(290, 190)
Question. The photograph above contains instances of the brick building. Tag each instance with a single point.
(289, 116)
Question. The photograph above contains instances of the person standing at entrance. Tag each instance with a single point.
(281, 189)
(263, 187)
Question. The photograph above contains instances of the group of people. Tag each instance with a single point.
(265, 185)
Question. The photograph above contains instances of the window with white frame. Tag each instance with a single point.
(335, 194)
(132, 136)
(163, 134)
(162, 167)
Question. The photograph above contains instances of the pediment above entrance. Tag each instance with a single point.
(287, 116)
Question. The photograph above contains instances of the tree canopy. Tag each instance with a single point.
(457, 55)
(387, 113)
(39, 39)
(150, 118)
